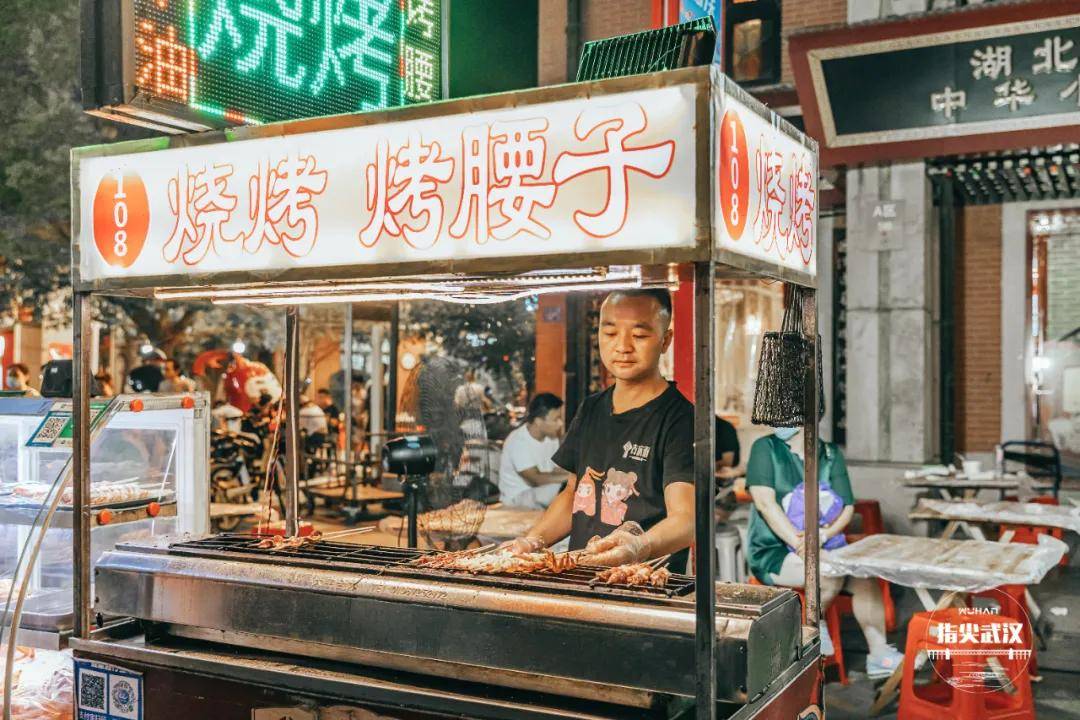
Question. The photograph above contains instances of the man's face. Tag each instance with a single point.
(551, 424)
(323, 399)
(169, 370)
(633, 335)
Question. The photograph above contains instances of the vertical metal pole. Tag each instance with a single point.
(378, 391)
(704, 491)
(946, 287)
(347, 372)
(391, 390)
(292, 421)
(80, 458)
(812, 578)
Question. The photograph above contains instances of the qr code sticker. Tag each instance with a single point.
(51, 428)
(91, 691)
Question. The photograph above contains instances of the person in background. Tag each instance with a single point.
(312, 420)
(326, 402)
(527, 476)
(774, 477)
(147, 377)
(18, 380)
(471, 396)
(174, 380)
(727, 448)
(104, 384)
(227, 417)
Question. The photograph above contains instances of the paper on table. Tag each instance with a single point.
(960, 565)
(1018, 513)
(928, 471)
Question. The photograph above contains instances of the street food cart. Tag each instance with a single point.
(149, 478)
(586, 187)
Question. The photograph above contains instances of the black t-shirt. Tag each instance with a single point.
(727, 440)
(623, 462)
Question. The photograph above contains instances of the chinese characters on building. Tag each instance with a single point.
(1018, 75)
(265, 60)
(498, 173)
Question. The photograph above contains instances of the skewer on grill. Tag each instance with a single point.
(653, 573)
(350, 531)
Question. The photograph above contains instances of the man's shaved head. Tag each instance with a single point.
(662, 298)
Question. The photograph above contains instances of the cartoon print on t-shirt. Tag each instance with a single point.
(585, 495)
(618, 487)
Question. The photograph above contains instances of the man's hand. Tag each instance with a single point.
(524, 545)
(626, 544)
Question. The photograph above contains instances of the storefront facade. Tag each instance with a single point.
(940, 335)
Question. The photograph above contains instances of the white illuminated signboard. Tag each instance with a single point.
(611, 172)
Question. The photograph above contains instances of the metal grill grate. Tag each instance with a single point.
(666, 48)
(376, 559)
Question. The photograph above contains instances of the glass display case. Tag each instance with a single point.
(148, 476)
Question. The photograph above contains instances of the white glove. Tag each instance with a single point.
(626, 544)
(524, 545)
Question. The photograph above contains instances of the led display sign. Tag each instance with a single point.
(196, 64)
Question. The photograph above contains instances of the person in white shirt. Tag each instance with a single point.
(527, 476)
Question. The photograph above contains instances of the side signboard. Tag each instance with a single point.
(765, 188)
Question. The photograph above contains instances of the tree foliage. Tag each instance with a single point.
(500, 338)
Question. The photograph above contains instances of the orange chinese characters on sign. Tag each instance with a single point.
(733, 174)
(121, 218)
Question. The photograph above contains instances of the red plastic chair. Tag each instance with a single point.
(869, 512)
(1014, 604)
(940, 699)
(1029, 534)
(832, 625)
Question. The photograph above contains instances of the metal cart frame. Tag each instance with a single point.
(708, 260)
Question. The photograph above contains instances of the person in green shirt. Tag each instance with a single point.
(774, 478)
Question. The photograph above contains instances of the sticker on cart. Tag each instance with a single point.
(56, 429)
(295, 713)
(107, 692)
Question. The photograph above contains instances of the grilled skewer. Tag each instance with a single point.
(654, 574)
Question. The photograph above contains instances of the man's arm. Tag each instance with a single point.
(534, 476)
(556, 521)
(676, 531)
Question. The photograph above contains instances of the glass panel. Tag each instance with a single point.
(745, 311)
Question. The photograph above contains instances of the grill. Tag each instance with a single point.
(379, 560)
(370, 605)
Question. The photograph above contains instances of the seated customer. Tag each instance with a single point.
(774, 477)
(727, 449)
(527, 476)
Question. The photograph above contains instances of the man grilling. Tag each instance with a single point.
(629, 449)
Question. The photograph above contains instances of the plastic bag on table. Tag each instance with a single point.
(958, 565)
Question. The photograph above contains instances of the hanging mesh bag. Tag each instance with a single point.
(781, 380)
